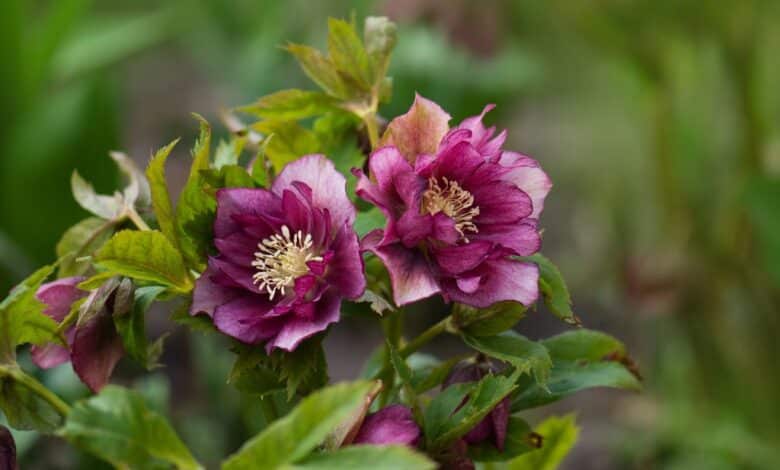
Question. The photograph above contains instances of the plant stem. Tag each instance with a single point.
(37, 388)
(269, 409)
(137, 220)
(369, 119)
(425, 337)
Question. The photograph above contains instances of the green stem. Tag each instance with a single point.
(425, 337)
(369, 119)
(269, 409)
(137, 220)
(37, 388)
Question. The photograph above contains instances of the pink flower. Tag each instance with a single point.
(286, 257)
(457, 215)
(390, 425)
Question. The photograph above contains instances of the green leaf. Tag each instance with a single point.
(526, 355)
(161, 199)
(253, 374)
(291, 105)
(196, 208)
(431, 374)
(132, 327)
(145, 256)
(582, 359)
(22, 319)
(319, 69)
(369, 220)
(105, 207)
(228, 176)
(117, 426)
(24, 409)
(558, 438)
(80, 240)
(489, 321)
(443, 424)
(347, 53)
(360, 457)
(554, 291)
(378, 304)
(290, 140)
(762, 200)
(519, 440)
(294, 437)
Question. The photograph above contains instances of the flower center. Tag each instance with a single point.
(280, 259)
(457, 203)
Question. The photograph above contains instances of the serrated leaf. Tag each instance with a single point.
(319, 69)
(292, 438)
(229, 152)
(558, 438)
(553, 288)
(347, 53)
(106, 207)
(24, 409)
(289, 142)
(145, 256)
(488, 321)
(80, 240)
(582, 359)
(431, 375)
(131, 326)
(22, 319)
(117, 426)
(369, 220)
(390, 457)
(291, 105)
(196, 208)
(378, 304)
(161, 199)
(526, 355)
(443, 424)
(520, 439)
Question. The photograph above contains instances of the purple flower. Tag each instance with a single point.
(390, 425)
(7, 450)
(94, 346)
(455, 216)
(493, 427)
(286, 257)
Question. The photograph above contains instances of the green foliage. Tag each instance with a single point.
(81, 240)
(526, 355)
(290, 140)
(443, 424)
(196, 208)
(117, 426)
(161, 200)
(22, 319)
(358, 457)
(291, 105)
(519, 440)
(294, 437)
(763, 204)
(369, 220)
(488, 321)
(558, 438)
(145, 256)
(22, 407)
(553, 288)
(348, 55)
(118, 205)
(131, 326)
(582, 359)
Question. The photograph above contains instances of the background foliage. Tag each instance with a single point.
(657, 121)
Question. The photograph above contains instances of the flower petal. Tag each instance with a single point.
(502, 279)
(410, 273)
(52, 354)
(238, 248)
(96, 349)
(59, 295)
(208, 295)
(500, 202)
(390, 425)
(295, 330)
(345, 269)
(7, 450)
(328, 186)
(461, 258)
(419, 130)
(522, 238)
(528, 176)
(233, 203)
(244, 318)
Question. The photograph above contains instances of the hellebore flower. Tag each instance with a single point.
(94, 346)
(393, 424)
(455, 216)
(493, 427)
(7, 450)
(286, 257)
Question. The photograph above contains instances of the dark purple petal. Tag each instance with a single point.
(238, 248)
(501, 279)
(59, 295)
(96, 349)
(458, 162)
(499, 417)
(241, 276)
(410, 274)
(295, 330)
(482, 138)
(522, 238)
(412, 228)
(391, 425)
(461, 258)
(52, 354)
(233, 203)
(208, 294)
(457, 457)
(528, 176)
(468, 285)
(7, 450)
(419, 131)
(245, 318)
(297, 212)
(345, 269)
(501, 203)
(328, 186)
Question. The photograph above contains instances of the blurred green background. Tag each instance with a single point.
(658, 121)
